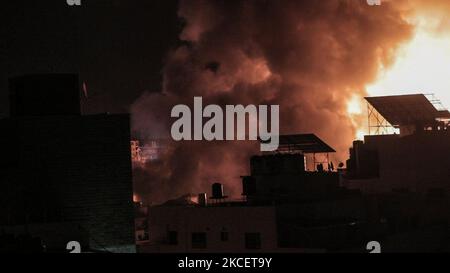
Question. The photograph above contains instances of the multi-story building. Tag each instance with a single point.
(284, 208)
(65, 176)
(215, 228)
(147, 150)
(402, 167)
(415, 158)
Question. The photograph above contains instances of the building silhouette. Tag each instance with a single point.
(64, 176)
(415, 157)
(401, 168)
(285, 208)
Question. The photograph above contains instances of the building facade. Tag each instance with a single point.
(64, 169)
(232, 229)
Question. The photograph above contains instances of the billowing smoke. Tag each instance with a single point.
(309, 57)
(431, 14)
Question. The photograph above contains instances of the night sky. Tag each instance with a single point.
(117, 46)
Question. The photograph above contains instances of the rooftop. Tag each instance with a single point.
(304, 143)
(407, 109)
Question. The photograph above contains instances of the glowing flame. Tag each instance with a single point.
(360, 134)
(354, 106)
(136, 198)
(355, 112)
(422, 66)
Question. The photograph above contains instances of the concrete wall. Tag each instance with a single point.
(417, 162)
(212, 220)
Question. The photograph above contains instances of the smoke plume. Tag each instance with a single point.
(309, 57)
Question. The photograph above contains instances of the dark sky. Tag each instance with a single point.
(117, 46)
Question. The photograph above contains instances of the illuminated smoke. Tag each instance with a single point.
(422, 64)
(310, 57)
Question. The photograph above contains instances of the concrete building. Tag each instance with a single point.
(416, 159)
(65, 176)
(221, 228)
(147, 150)
(285, 208)
(402, 168)
(136, 152)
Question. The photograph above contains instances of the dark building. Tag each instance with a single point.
(415, 158)
(285, 208)
(65, 176)
(402, 167)
(312, 210)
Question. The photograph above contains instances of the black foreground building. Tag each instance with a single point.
(64, 176)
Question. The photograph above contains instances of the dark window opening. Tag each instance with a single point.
(252, 240)
(199, 240)
(172, 237)
(224, 236)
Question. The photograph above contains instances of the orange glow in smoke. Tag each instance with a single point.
(136, 198)
(355, 112)
(422, 65)
(354, 106)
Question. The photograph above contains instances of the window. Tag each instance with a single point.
(253, 240)
(224, 236)
(172, 237)
(199, 240)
